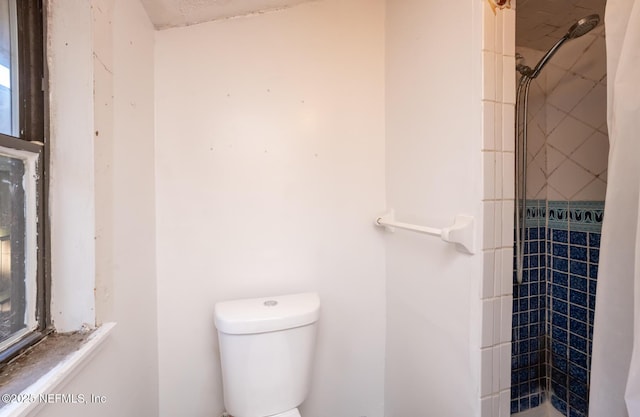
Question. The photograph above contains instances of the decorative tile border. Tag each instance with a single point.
(586, 215)
(579, 216)
(536, 213)
(558, 215)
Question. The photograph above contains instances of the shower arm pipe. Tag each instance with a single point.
(462, 232)
(536, 70)
(521, 185)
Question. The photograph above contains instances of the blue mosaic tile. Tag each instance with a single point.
(533, 376)
(514, 403)
(578, 297)
(560, 362)
(559, 388)
(578, 253)
(578, 343)
(578, 358)
(578, 373)
(558, 377)
(578, 238)
(560, 236)
(560, 306)
(573, 412)
(578, 327)
(578, 388)
(534, 261)
(514, 383)
(534, 330)
(578, 313)
(559, 404)
(559, 292)
(534, 247)
(560, 249)
(534, 316)
(559, 320)
(558, 348)
(534, 275)
(544, 290)
(523, 375)
(534, 290)
(535, 401)
(533, 233)
(560, 264)
(578, 283)
(578, 406)
(534, 345)
(578, 268)
(534, 301)
(534, 358)
(560, 335)
(594, 255)
(560, 278)
(560, 274)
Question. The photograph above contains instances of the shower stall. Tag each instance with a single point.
(561, 154)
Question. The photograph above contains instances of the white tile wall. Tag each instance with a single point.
(574, 125)
(498, 95)
(569, 92)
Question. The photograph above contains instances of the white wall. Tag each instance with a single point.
(120, 82)
(71, 177)
(434, 167)
(270, 170)
(272, 157)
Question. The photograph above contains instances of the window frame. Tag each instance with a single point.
(33, 130)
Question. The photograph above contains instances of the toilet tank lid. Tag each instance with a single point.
(267, 314)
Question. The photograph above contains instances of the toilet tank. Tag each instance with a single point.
(266, 352)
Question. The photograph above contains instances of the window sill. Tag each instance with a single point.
(46, 372)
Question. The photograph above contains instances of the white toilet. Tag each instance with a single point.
(266, 353)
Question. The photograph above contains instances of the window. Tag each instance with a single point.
(24, 299)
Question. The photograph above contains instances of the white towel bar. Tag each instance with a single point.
(462, 232)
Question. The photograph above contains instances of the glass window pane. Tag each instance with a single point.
(8, 69)
(12, 247)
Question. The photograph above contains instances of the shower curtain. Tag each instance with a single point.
(615, 369)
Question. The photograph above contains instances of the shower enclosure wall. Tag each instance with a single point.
(567, 151)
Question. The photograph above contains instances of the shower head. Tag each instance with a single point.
(581, 27)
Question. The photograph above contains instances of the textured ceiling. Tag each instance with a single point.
(168, 13)
(540, 23)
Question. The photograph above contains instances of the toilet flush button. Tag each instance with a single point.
(270, 303)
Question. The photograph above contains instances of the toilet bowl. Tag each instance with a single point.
(266, 353)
